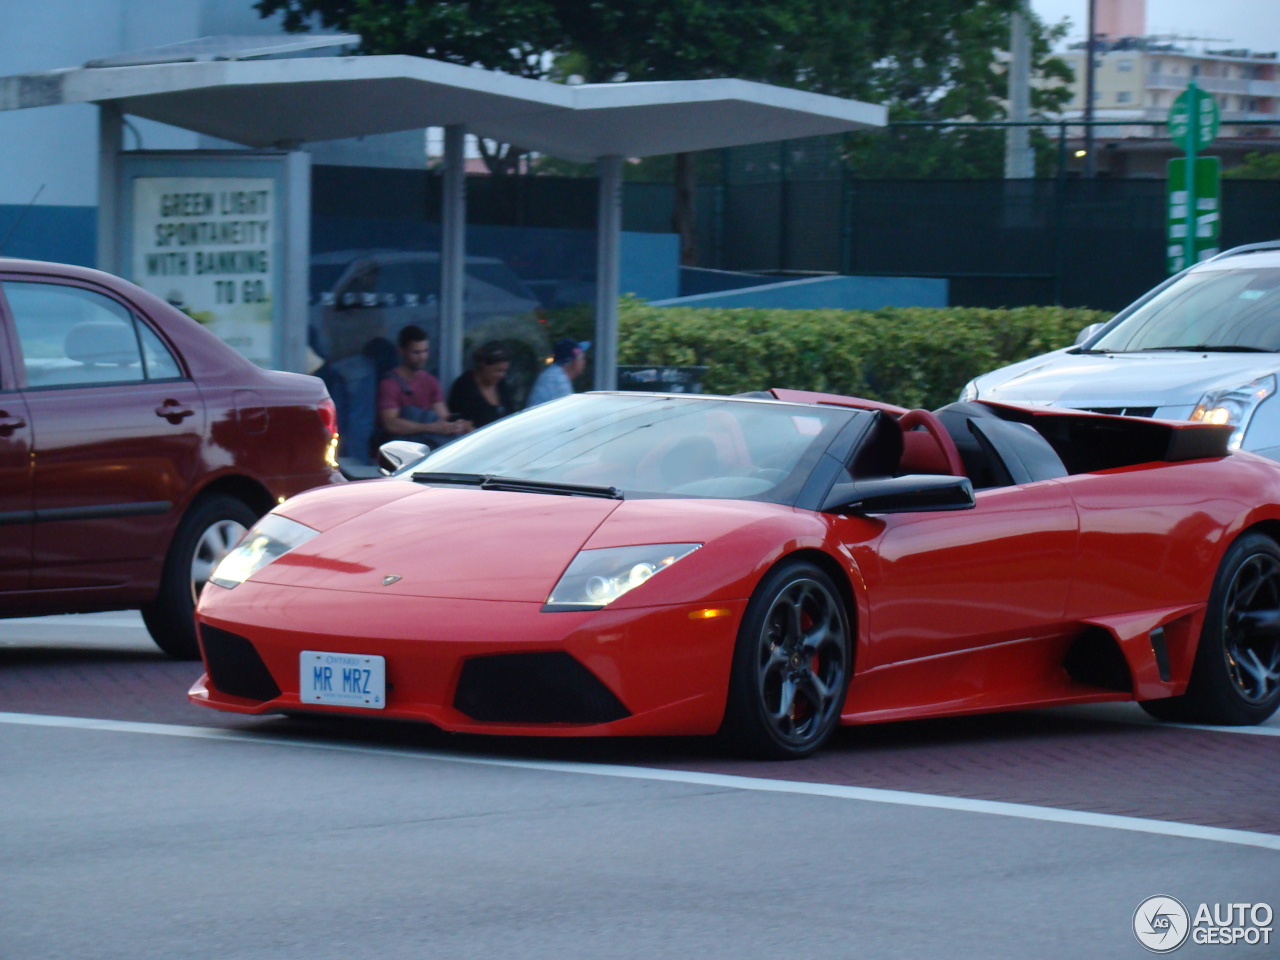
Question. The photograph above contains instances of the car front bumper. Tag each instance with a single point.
(667, 666)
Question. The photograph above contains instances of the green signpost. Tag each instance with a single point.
(1194, 223)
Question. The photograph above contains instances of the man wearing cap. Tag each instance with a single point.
(556, 380)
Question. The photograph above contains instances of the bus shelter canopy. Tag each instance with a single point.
(263, 103)
(219, 86)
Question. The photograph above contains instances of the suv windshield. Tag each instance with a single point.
(1230, 310)
(657, 446)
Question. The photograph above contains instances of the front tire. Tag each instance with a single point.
(1235, 680)
(790, 665)
(206, 534)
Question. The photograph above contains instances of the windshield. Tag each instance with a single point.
(1207, 310)
(656, 446)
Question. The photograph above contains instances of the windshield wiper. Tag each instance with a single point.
(520, 485)
(469, 479)
(1206, 348)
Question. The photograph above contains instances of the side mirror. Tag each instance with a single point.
(394, 454)
(914, 493)
(1086, 333)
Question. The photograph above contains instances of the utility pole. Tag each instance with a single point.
(1019, 158)
(1090, 47)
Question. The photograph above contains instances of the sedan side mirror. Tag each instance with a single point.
(394, 454)
(1086, 333)
(914, 493)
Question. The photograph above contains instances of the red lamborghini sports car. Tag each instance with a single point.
(765, 567)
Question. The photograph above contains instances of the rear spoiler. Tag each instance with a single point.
(1113, 441)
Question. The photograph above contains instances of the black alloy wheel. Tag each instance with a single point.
(1236, 676)
(791, 665)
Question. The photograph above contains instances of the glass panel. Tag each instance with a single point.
(73, 336)
(656, 446)
(161, 364)
(1225, 309)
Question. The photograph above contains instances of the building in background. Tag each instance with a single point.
(1138, 76)
(50, 154)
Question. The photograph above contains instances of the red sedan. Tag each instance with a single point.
(764, 567)
(136, 448)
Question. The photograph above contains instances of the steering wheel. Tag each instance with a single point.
(935, 429)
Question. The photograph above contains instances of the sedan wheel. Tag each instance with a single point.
(1236, 676)
(214, 544)
(208, 531)
(791, 665)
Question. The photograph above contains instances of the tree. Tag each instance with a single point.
(924, 59)
(1256, 166)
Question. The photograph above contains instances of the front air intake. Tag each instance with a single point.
(548, 687)
(235, 667)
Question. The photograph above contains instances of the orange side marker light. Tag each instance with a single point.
(709, 613)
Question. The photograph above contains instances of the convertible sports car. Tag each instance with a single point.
(765, 567)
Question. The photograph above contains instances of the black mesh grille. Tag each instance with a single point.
(235, 667)
(534, 688)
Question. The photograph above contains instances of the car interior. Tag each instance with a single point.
(999, 446)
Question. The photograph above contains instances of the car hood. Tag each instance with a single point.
(445, 542)
(1156, 379)
(469, 544)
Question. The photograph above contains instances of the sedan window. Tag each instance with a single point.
(71, 336)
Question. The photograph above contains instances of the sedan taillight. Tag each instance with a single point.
(329, 417)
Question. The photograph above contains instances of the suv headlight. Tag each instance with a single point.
(596, 578)
(1235, 406)
(970, 391)
(271, 538)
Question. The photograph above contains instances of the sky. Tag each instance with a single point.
(1246, 23)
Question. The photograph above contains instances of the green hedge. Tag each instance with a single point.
(913, 356)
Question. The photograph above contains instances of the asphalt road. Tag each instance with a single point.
(138, 826)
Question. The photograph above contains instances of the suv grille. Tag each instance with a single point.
(1124, 411)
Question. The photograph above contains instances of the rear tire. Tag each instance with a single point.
(206, 534)
(1235, 680)
(791, 665)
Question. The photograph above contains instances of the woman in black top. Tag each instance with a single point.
(481, 394)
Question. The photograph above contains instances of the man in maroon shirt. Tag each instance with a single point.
(410, 402)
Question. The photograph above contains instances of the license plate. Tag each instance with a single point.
(342, 679)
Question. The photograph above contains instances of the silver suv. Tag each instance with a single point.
(1204, 345)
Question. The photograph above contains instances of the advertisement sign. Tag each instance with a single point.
(206, 245)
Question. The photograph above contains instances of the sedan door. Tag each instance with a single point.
(15, 476)
(118, 434)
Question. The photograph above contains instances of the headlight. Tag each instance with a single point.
(970, 392)
(598, 577)
(271, 538)
(1234, 406)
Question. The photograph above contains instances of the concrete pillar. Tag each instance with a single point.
(453, 256)
(1019, 157)
(110, 141)
(295, 276)
(608, 266)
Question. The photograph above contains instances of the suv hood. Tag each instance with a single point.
(1155, 379)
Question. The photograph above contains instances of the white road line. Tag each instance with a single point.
(1021, 811)
(1255, 731)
